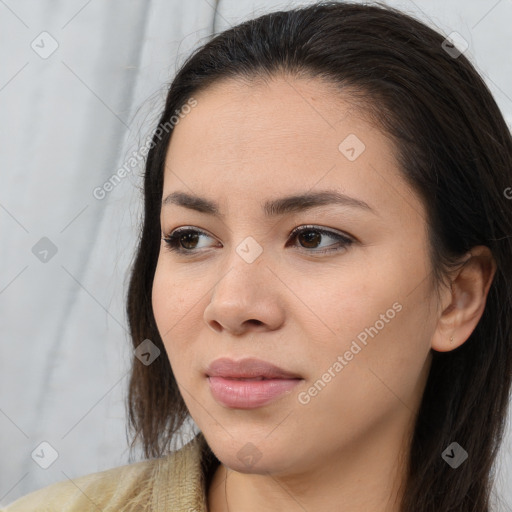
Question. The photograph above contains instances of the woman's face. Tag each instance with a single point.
(350, 322)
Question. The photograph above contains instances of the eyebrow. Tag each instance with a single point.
(273, 207)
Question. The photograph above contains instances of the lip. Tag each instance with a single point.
(230, 385)
(247, 368)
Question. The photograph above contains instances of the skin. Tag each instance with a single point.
(346, 448)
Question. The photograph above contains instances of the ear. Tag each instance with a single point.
(464, 304)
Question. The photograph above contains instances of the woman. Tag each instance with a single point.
(325, 270)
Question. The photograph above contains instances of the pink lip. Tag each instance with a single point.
(230, 386)
(247, 368)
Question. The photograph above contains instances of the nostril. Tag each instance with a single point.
(216, 326)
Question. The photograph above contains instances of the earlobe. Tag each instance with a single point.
(467, 299)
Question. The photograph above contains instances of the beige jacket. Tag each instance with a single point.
(174, 483)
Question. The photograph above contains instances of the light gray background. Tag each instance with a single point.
(68, 122)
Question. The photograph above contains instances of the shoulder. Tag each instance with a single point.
(138, 486)
(90, 492)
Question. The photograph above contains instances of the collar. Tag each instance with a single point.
(182, 477)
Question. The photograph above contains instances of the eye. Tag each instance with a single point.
(310, 236)
(184, 240)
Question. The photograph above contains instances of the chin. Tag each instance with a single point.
(244, 456)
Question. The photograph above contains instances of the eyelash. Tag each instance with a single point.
(173, 239)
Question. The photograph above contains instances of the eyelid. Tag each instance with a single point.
(175, 233)
(342, 238)
(323, 230)
(295, 230)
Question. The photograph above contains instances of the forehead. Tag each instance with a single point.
(248, 141)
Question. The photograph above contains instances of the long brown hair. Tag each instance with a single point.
(453, 147)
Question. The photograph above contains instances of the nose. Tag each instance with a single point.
(246, 298)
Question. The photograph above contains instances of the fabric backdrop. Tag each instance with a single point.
(81, 86)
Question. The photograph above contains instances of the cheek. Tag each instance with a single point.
(175, 306)
(376, 317)
(383, 344)
(163, 301)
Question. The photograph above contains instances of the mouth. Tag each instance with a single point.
(249, 393)
(248, 383)
(247, 378)
(248, 368)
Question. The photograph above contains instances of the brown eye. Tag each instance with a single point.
(310, 238)
(185, 240)
(188, 239)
